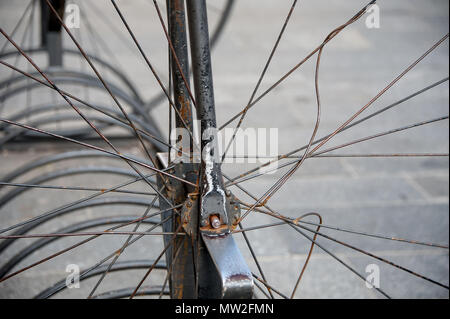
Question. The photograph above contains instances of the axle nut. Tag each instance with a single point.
(215, 221)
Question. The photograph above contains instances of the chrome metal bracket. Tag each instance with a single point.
(236, 278)
(219, 211)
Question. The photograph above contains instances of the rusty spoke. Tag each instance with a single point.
(107, 88)
(136, 290)
(382, 92)
(130, 163)
(80, 244)
(53, 212)
(91, 106)
(362, 120)
(374, 256)
(255, 258)
(18, 24)
(258, 84)
(163, 88)
(127, 158)
(74, 188)
(122, 233)
(270, 287)
(245, 177)
(317, 49)
(122, 249)
(442, 118)
(340, 229)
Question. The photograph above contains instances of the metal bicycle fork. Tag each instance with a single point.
(207, 264)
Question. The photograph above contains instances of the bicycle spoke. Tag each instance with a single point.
(98, 38)
(123, 233)
(390, 85)
(236, 181)
(79, 111)
(117, 103)
(28, 92)
(294, 224)
(255, 258)
(266, 67)
(88, 60)
(272, 190)
(386, 155)
(120, 266)
(392, 238)
(285, 177)
(350, 231)
(257, 285)
(305, 265)
(112, 26)
(80, 244)
(122, 249)
(74, 188)
(269, 287)
(53, 212)
(335, 32)
(339, 260)
(287, 155)
(243, 231)
(27, 31)
(19, 22)
(58, 287)
(277, 186)
(57, 89)
(442, 118)
(92, 107)
(152, 69)
(240, 179)
(156, 261)
(375, 256)
(126, 158)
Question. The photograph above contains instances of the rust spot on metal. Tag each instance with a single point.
(179, 13)
(185, 108)
(223, 229)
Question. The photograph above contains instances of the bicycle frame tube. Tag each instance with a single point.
(182, 282)
(209, 212)
(233, 278)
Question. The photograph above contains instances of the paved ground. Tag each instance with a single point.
(401, 197)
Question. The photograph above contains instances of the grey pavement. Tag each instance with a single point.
(398, 197)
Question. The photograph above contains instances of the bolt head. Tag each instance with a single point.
(204, 223)
(215, 222)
